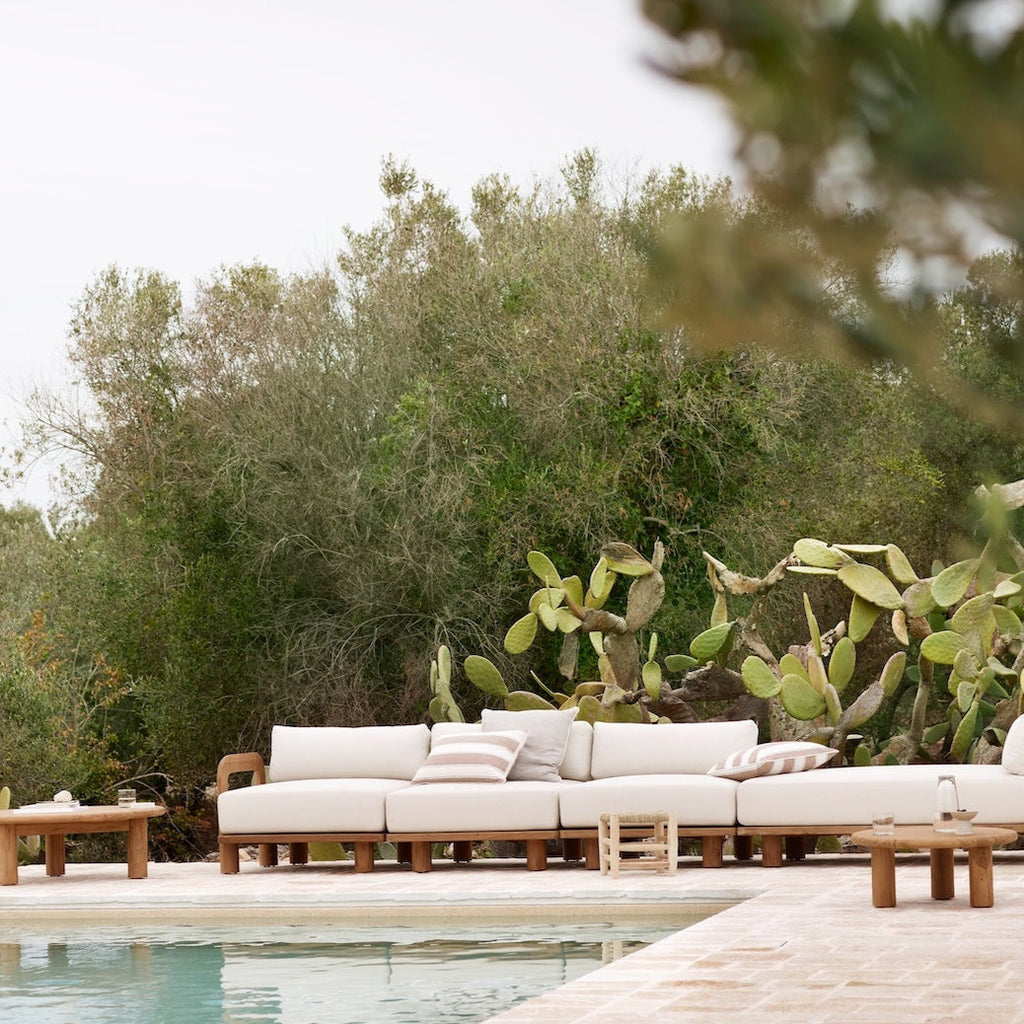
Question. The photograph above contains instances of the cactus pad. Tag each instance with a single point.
(943, 647)
(862, 617)
(759, 678)
(951, 584)
(871, 584)
(818, 554)
(521, 634)
(842, 664)
(544, 568)
(800, 699)
(705, 646)
(899, 565)
(485, 676)
(626, 560)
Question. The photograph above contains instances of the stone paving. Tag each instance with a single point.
(800, 943)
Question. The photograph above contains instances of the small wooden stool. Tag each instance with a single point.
(654, 835)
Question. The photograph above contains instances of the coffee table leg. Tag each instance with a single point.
(138, 847)
(942, 874)
(883, 877)
(54, 855)
(979, 868)
(8, 855)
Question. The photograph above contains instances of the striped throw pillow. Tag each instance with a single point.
(772, 759)
(471, 757)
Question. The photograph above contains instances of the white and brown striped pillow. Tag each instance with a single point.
(471, 757)
(772, 759)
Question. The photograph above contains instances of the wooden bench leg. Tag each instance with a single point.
(743, 847)
(796, 848)
(771, 851)
(8, 855)
(592, 854)
(298, 853)
(228, 858)
(712, 848)
(364, 857)
(403, 853)
(462, 851)
(883, 877)
(536, 854)
(268, 855)
(55, 851)
(572, 849)
(420, 857)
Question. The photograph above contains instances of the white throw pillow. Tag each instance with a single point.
(472, 757)
(1013, 748)
(778, 758)
(547, 735)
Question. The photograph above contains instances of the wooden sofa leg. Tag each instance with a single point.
(536, 854)
(364, 857)
(403, 853)
(572, 849)
(711, 851)
(771, 851)
(420, 856)
(268, 855)
(298, 853)
(592, 854)
(228, 858)
(743, 847)
(462, 851)
(796, 848)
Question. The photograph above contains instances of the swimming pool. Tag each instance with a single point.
(278, 974)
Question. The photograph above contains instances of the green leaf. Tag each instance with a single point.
(818, 554)
(871, 584)
(626, 560)
(525, 700)
(918, 599)
(811, 570)
(484, 675)
(964, 736)
(812, 625)
(892, 673)
(552, 597)
(1006, 588)
(1007, 622)
(680, 662)
(899, 565)
(759, 678)
(566, 621)
(706, 645)
(790, 664)
(651, 675)
(862, 617)
(548, 616)
(942, 647)
(720, 612)
(935, 733)
(862, 549)
(573, 587)
(799, 698)
(597, 642)
(842, 663)
(973, 614)
(521, 634)
(832, 705)
(816, 675)
(602, 579)
(965, 695)
(862, 756)
(444, 666)
(543, 568)
(951, 584)
(591, 710)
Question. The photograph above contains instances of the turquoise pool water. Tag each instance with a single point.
(295, 974)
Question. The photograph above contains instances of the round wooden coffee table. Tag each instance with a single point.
(54, 825)
(940, 846)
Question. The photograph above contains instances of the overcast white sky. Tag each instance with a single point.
(189, 134)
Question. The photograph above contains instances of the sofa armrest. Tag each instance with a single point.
(247, 762)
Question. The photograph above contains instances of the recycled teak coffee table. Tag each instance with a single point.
(940, 846)
(54, 825)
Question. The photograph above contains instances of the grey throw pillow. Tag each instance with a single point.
(546, 740)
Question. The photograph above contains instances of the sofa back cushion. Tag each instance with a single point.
(547, 736)
(1013, 748)
(673, 749)
(575, 764)
(371, 752)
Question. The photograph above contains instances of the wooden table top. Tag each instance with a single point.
(924, 837)
(96, 814)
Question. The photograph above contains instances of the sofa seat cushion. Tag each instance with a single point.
(852, 796)
(474, 807)
(313, 805)
(693, 799)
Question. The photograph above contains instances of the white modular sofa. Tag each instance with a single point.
(356, 786)
(838, 801)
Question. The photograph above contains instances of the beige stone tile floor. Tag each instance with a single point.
(800, 943)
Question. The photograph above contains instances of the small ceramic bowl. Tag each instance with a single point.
(963, 821)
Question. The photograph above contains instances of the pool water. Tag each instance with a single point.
(296, 974)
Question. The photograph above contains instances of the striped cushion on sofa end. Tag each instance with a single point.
(471, 757)
(777, 758)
